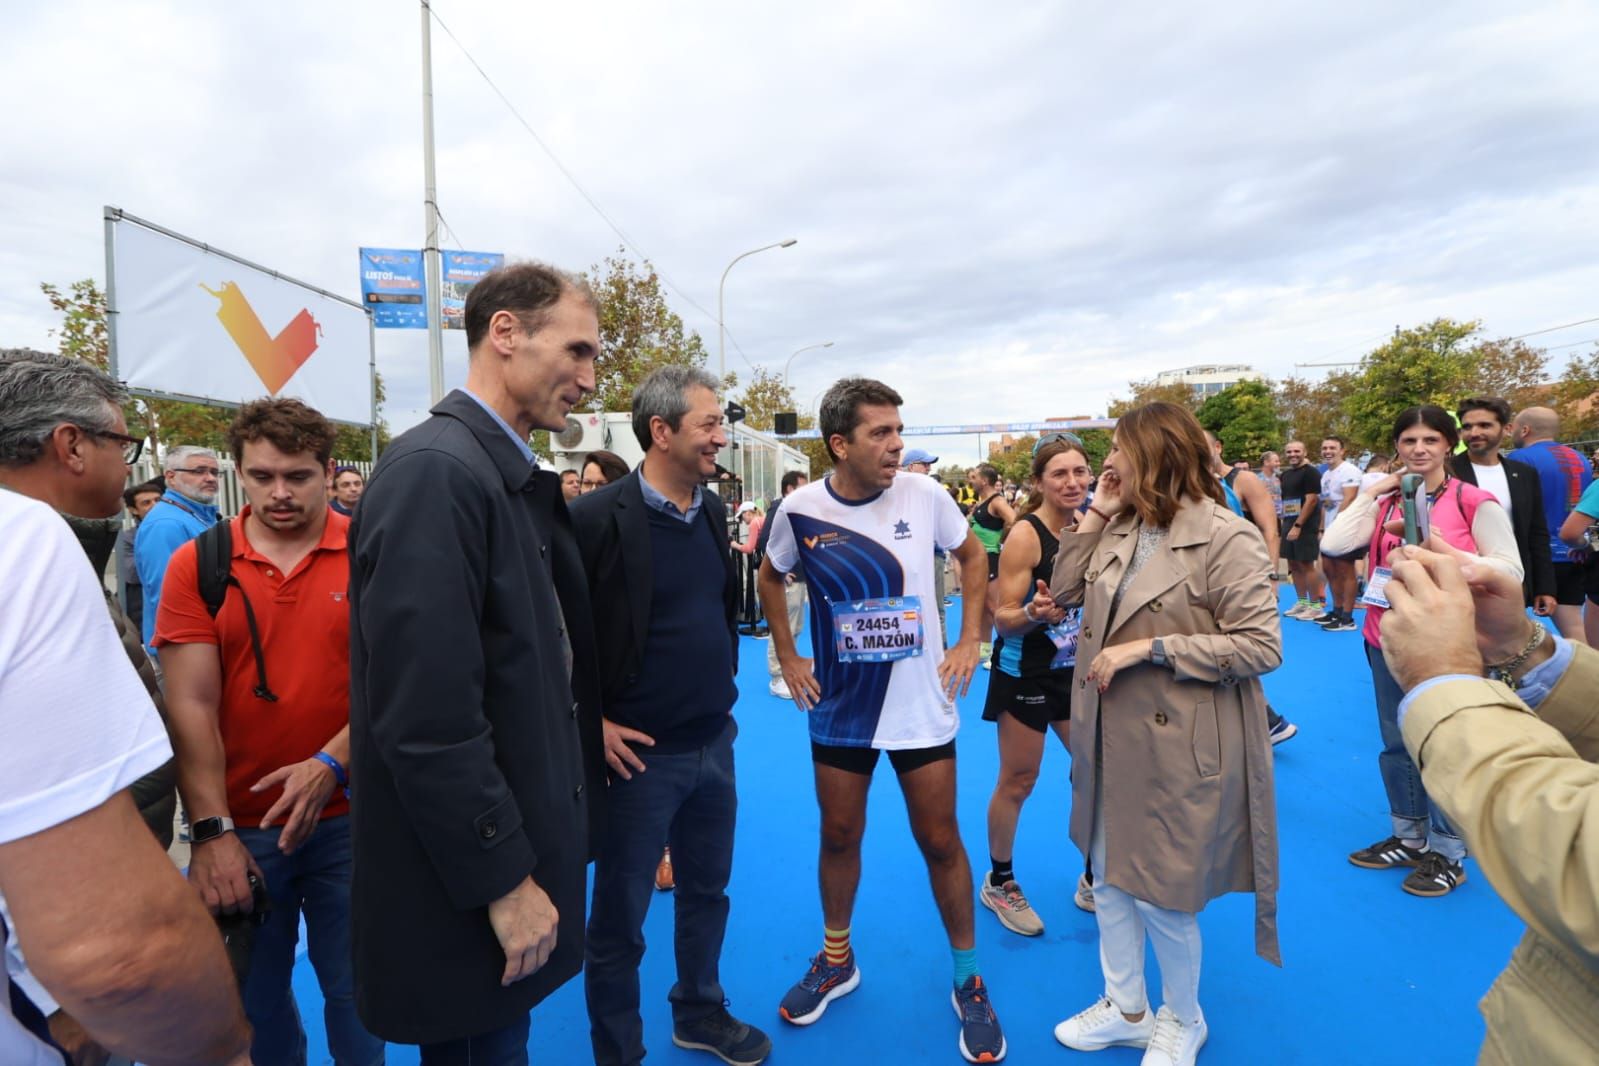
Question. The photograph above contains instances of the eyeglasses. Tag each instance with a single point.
(199, 471)
(589, 486)
(1070, 438)
(132, 447)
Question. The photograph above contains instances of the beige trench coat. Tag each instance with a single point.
(1523, 789)
(1190, 812)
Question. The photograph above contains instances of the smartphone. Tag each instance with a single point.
(1418, 510)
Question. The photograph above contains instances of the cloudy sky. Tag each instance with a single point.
(1007, 211)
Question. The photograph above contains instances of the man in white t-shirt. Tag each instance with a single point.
(882, 680)
(1339, 485)
(109, 929)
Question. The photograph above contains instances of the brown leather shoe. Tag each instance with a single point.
(663, 873)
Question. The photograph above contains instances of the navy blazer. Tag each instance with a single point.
(1526, 521)
(613, 532)
(475, 756)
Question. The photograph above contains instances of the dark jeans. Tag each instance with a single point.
(1415, 817)
(502, 1047)
(690, 801)
(314, 880)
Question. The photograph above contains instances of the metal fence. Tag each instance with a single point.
(230, 498)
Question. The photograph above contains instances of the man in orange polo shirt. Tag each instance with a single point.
(260, 724)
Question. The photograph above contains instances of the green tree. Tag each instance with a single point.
(1244, 418)
(1511, 369)
(1149, 392)
(638, 332)
(1575, 398)
(1311, 410)
(765, 396)
(1424, 364)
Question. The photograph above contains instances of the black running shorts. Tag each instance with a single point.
(864, 760)
(1035, 702)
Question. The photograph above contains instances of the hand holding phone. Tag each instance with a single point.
(1417, 508)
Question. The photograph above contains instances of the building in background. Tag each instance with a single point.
(1209, 378)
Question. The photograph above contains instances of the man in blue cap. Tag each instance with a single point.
(921, 461)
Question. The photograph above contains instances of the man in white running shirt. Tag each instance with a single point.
(882, 680)
(1338, 488)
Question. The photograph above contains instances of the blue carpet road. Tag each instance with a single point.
(1371, 974)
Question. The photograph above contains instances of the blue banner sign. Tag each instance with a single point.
(462, 271)
(391, 287)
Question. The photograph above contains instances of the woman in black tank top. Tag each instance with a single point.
(1028, 695)
(989, 520)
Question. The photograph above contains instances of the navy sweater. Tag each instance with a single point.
(685, 689)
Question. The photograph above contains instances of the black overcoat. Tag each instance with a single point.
(475, 755)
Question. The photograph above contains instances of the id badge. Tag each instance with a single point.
(878, 630)
(1063, 635)
(1375, 584)
(1291, 508)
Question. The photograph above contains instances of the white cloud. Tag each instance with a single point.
(1006, 212)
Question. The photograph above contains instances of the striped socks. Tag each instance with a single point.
(835, 945)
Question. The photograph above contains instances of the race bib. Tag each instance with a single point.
(1063, 635)
(1291, 508)
(1375, 584)
(878, 631)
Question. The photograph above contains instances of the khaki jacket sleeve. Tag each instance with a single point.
(1243, 601)
(1572, 707)
(1526, 803)
(1068, 584)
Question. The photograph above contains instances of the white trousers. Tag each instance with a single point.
(1124, 920)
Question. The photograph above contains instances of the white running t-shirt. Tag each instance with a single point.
(76, 725)
(1332, 490)
(877, 549)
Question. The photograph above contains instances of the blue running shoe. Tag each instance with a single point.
(821, 985)
(981, 1039)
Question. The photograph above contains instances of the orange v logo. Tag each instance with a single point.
(274, 359)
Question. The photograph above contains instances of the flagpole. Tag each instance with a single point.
(432, 271)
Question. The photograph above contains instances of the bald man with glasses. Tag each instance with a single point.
(187, 509)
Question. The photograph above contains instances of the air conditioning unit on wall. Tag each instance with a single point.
(585, 432)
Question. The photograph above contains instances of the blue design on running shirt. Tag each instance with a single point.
(842, 565)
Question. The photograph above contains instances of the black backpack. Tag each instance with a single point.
(213, 556)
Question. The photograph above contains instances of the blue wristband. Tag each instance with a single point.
(334, 765)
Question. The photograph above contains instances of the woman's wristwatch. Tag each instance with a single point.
(1157, 652)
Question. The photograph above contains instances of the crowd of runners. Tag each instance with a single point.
(455, 684)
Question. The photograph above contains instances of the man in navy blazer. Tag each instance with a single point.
(664, 588)
(474, 717)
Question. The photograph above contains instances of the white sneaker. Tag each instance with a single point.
(1174, 1043)
(779, 688)
(1102, 1026)
(1299, 609)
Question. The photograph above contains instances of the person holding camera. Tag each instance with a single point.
(1511, 759)
(1471, 519)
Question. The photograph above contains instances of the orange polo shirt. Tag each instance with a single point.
(304, 621)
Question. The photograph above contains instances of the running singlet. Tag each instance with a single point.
(1039, 651)
(869, 566)
(988, 527)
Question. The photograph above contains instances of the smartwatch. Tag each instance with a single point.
(1157, 652)
(209, 829)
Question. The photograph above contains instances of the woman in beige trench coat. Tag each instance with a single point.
(1171, 764)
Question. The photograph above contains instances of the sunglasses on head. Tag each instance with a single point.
(1069, 438)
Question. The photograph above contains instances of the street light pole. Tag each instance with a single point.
(432, 275)
(808, 347)
(721, 330)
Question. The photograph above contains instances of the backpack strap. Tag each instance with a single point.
(214, 573)
(213, 556)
